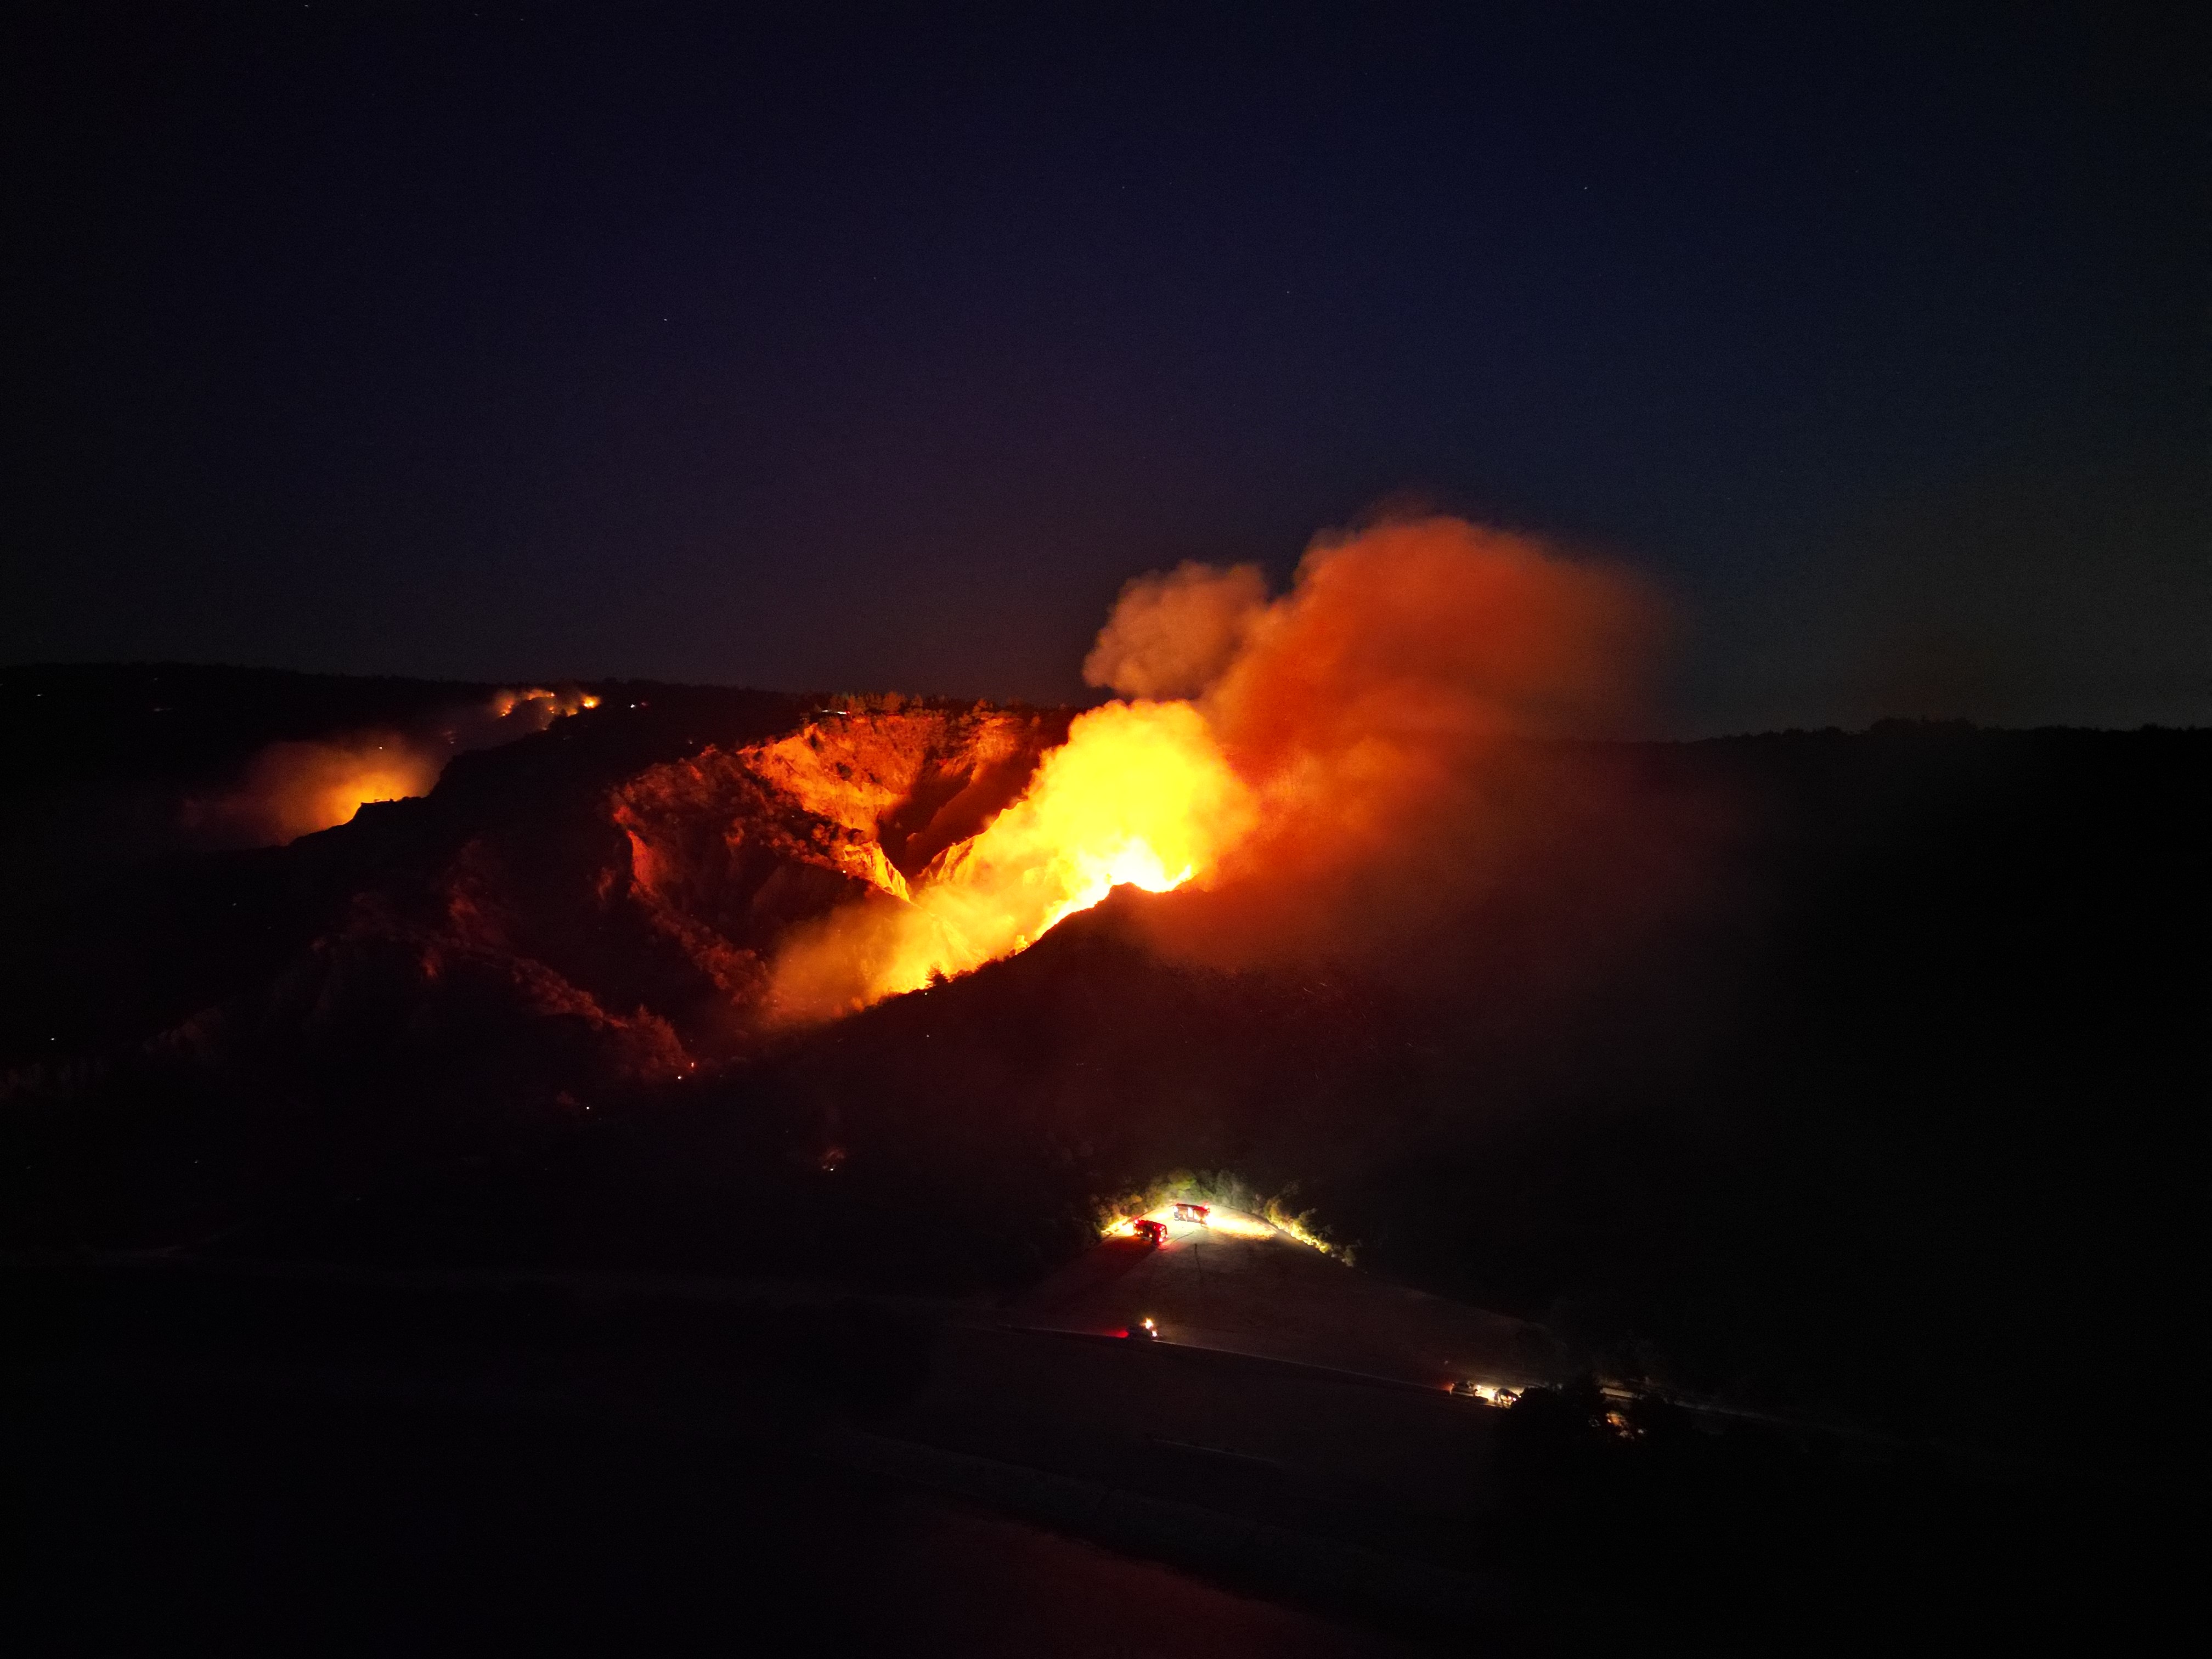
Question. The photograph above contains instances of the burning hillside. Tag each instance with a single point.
(1138, 796)
(1316, 771)
(1336, 734)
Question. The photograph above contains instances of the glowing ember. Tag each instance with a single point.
(538, 707)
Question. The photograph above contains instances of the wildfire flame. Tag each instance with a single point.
(1141, 795)
(539, 707)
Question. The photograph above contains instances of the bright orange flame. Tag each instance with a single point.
(1139, 795)
(539, 707)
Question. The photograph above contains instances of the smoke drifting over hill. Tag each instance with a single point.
(1372, 708)
(1340, 749)
(295, 788)
(1173, 635)
(1418, 636)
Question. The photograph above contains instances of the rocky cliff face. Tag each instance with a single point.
(728, 848)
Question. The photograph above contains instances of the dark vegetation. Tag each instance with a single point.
(351, 1459)
(1889, 1125)
(208, 1462)
(1643, 1520)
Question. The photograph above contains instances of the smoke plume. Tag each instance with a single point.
(1172, 635)
(1376, 711)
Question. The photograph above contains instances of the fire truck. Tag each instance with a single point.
(1152, 1232)
(1197, 1212)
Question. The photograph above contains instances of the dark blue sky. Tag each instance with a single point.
(568, 341)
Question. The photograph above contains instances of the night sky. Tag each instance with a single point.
(837, 352)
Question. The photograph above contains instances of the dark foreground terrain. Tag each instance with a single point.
(183, 1518)
(206, 1458)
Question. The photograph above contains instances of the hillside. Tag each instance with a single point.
(1882, 1086)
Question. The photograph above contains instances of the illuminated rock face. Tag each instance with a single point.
(729, 848)
(913, 783)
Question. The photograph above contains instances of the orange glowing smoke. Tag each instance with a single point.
(1366, 701)
(1337, 758)
(1140, 794)
(1374, 711)
(339, 782)
(294, 789)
